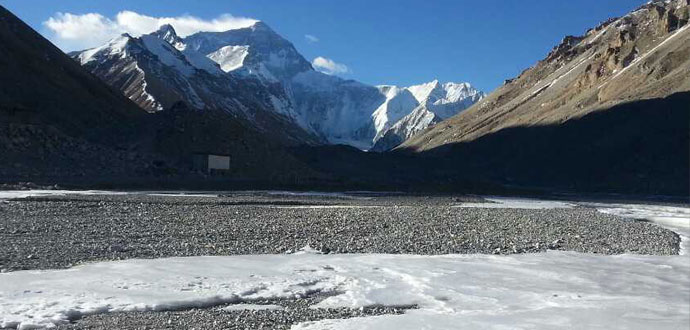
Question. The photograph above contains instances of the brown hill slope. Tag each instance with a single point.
(643, 55)
(607, 111)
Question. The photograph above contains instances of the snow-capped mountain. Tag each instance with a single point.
(408, 111)
(255, 50)
(340, 111)
(254, 70)
(158, 70)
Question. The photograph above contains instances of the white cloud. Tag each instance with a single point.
(310, 38)
(73, 32)
(328, 66)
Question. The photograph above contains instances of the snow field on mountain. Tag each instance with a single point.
(230, 58)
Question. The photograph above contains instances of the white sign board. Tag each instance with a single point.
(218, 162)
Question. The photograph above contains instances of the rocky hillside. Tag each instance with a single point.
(605, 111)
(643, 55)
(42, 85)
(55, 117)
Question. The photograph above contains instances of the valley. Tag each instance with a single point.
(200, 172)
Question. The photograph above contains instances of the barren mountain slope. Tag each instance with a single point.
(58, 119)
(643, 55)
(40, 84)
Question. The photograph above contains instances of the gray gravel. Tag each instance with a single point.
(58, 232)
(294, 311)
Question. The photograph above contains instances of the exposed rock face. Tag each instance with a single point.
(643, 55)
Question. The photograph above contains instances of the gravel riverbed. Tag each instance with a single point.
(59, 232)
(63, 231)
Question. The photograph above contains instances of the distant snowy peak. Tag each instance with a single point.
(456, 92)
(399, 103)
(163, 43)
(264, 52)
(424, 91)
(166, 43)
(436, 93)
(114, 47)
(167, 53)
(452, 98)
(167, 33)
(418, 120)
(431, 101)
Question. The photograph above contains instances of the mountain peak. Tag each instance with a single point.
(167, 32)
(115, 47)
(268, 55)
(423, 92)
(260, 25)
(166, 28)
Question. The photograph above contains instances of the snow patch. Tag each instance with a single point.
(674, 218)
(518, 203)
(48, 298)
(14, 194)
(537, 291)
(558, 77)
(230, 58)
(320, 207)
(18, 194)
(167, 54)
(252, 307)
(149, 98)
(114, 47)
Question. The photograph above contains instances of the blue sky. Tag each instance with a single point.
(400, 42)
